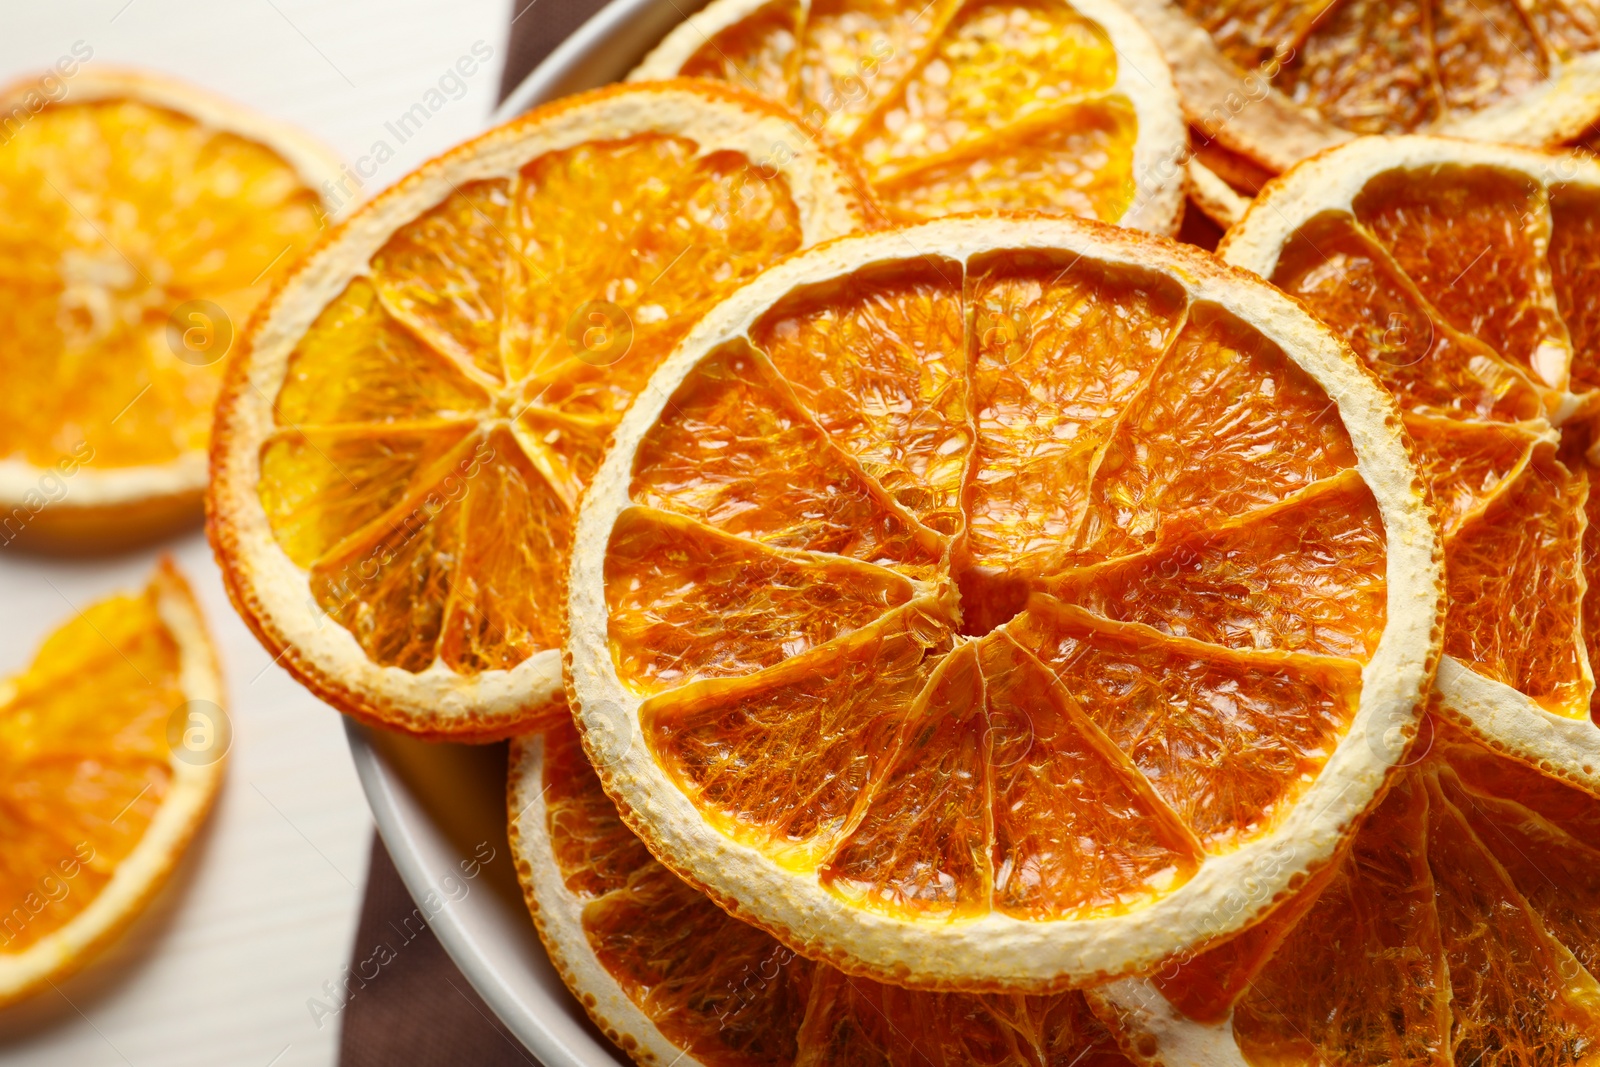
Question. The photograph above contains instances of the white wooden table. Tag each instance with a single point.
(263, 910)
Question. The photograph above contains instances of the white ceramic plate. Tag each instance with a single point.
(438, 806)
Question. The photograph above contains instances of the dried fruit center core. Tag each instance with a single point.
(989, 598)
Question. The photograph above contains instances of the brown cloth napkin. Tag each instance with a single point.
(419, 1011)
(424, 1013)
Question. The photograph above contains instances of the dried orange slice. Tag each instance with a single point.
(141, 220)
(399, 448)
(1465, 276)
(672, 978)
(984, 603)
(963, 105)
(1280, 82)
(1462, 928)
(112, 746)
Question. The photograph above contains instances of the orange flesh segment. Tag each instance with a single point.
(732, 996)
(1042, 420)
(1076, 830)
(856, 52)
(953, 106)
(1228, 739)
(922, 845)
(734, 453)
(687, 602)
(781, 759)
(1469, 238)
(1529, 538)
(754, 54)
(1362, 977)
(84, 762)
(1225, 424)
(1308, 576)
(440, 418)
(998, 57)
(1575, 272)
(1077, 160)
(880, 368)
(1468, 464)
(1203, 677)
(1353, 284)
(1394, 66)
(116, 214)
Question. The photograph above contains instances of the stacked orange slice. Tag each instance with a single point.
(401, 444)
(1465, 276)
(1063, 106)
(1002, 604)
(1278, 82)
(671, 978)
(1460, 929)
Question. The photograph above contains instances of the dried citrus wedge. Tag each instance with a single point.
(672, 978)
(1278, 82)
(963, 105)
(984, 603)
(112, 746)
(1465, 276)
(141, 220)
(1463, 927)
(400, 445)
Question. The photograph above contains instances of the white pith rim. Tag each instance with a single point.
(273, 593)
(995, 951)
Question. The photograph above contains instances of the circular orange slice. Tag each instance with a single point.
(112, 747)
(401, 444)
(1001, 603)
(141, 220)
(1465, 276)
(671, 978)
(1280, 82)
(963, 105)
(1460, 928)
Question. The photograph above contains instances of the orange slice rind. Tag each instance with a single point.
(113, 745)
(671, 978)
(145, 220)
(1020, 105)
(1496, 369)
(1460, 926)
(401, 443)
(814, 635)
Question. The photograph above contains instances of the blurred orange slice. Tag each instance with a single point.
(1466, 275)
(141, 221)
(962, 105)
(1463, 927)
(112, 746)
(671, 978)
(401, 444)
(1280, 82)
(976, 605)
